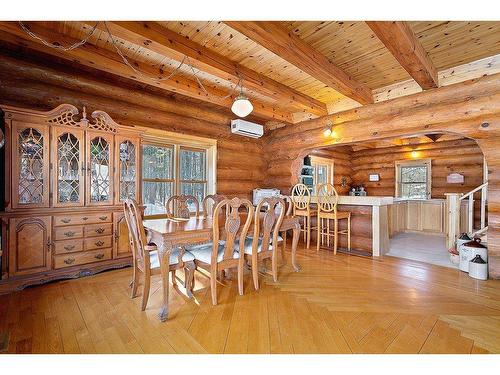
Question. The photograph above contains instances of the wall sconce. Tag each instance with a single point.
(329, 132)
(414, 154)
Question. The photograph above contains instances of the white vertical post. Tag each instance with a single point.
(470, 209)
(484, 192)
(453, 218)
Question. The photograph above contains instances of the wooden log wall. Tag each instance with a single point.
(461, 156)
(32, 84)
(342, 166)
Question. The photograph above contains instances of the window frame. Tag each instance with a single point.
(186, 142)
(413, 163)
(330, 164)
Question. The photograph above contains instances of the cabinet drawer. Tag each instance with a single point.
(98, 230)
(69, 246)
(61, 220)
(97, 243)
(66, 233)
(69, 260)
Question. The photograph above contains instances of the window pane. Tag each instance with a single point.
(155, 195)
(192, 164)
(414, 190)
(195, 189)
(322, 176)
(157, 162)
(414, 174)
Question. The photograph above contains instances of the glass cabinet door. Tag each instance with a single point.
(30, 185)
(67, 151)
(99, 181)
(126, 161)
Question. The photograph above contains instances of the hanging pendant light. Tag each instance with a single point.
(241, 106)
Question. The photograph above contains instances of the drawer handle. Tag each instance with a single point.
(85, 218)
(69, 234)
(100, 230)
(69, 260)
(69, 247)
(65, 220)
(99, 243)
(99, 256)
(103, 217)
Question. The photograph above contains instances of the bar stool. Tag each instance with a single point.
(327, 210)
(301, 199)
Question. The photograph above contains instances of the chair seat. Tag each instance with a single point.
(332, 215)
(174, 258)
(312, 212)
(203, 253)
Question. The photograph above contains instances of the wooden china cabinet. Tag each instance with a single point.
(65, 181)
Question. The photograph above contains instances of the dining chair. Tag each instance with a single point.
(222, 255)
(327, 210)
(301, 199)
(209, 203)
(177, 206)
(264, 242)
(146, 260)
(288, 213)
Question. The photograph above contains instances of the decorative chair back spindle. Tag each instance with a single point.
(137, 237)
(288, 204)
(209, 203)
(178, 206)
(301, 197)
(268, 218)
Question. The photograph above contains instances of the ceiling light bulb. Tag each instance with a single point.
(327, 132)
(414, 154)
(242, 106)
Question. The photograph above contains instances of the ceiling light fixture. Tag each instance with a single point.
(329, 132)
(241, 106)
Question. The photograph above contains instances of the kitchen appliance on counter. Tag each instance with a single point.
(358, 191)
(259, 194)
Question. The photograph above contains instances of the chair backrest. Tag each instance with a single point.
(269, 215)
(178, 206)
(327, 198)
(301, 197)
(209, 203)
(137, 237)
(288, 204)
(232, 226)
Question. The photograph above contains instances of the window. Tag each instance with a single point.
(174, 169)
(157, 177)
(323, 171)
(413, 179)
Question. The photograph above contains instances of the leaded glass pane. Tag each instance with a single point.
(99, 170)
(31, 157)
(127, 170)
(192, 165)
(155, 195)
(68, 176)
(157, 162)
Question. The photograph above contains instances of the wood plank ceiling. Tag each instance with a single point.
(220, 54)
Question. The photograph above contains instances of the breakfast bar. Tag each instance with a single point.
(369, 228)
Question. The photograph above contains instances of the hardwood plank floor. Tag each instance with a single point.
(336, 304)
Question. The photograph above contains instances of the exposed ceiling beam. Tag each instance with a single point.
(159, 39)
(400, 40)
(276, 38)
(110, 61)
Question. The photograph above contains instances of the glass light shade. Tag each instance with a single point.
(242, 106)
(327, 132)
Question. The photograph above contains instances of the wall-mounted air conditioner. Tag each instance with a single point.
(247, 128)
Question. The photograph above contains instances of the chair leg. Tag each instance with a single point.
(336, 235)
(213, 284)
(255, 272)
(319, 235)
(349, 233)
(145, 290)
(174, 280)
(284, 241)
(274, 265)
(328, 233)
(308, 232)
(189, 278)
(240, 274)
(135, 282)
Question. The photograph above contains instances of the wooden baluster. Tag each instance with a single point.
(471, 214)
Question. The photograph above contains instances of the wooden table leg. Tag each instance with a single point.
(295, 241)
(189, 282)
(164, 251)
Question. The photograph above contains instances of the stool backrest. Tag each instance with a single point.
(301, 197)
(327, 198)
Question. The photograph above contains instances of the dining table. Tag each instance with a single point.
(170, 233)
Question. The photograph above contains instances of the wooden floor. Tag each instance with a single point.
(336, 304)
